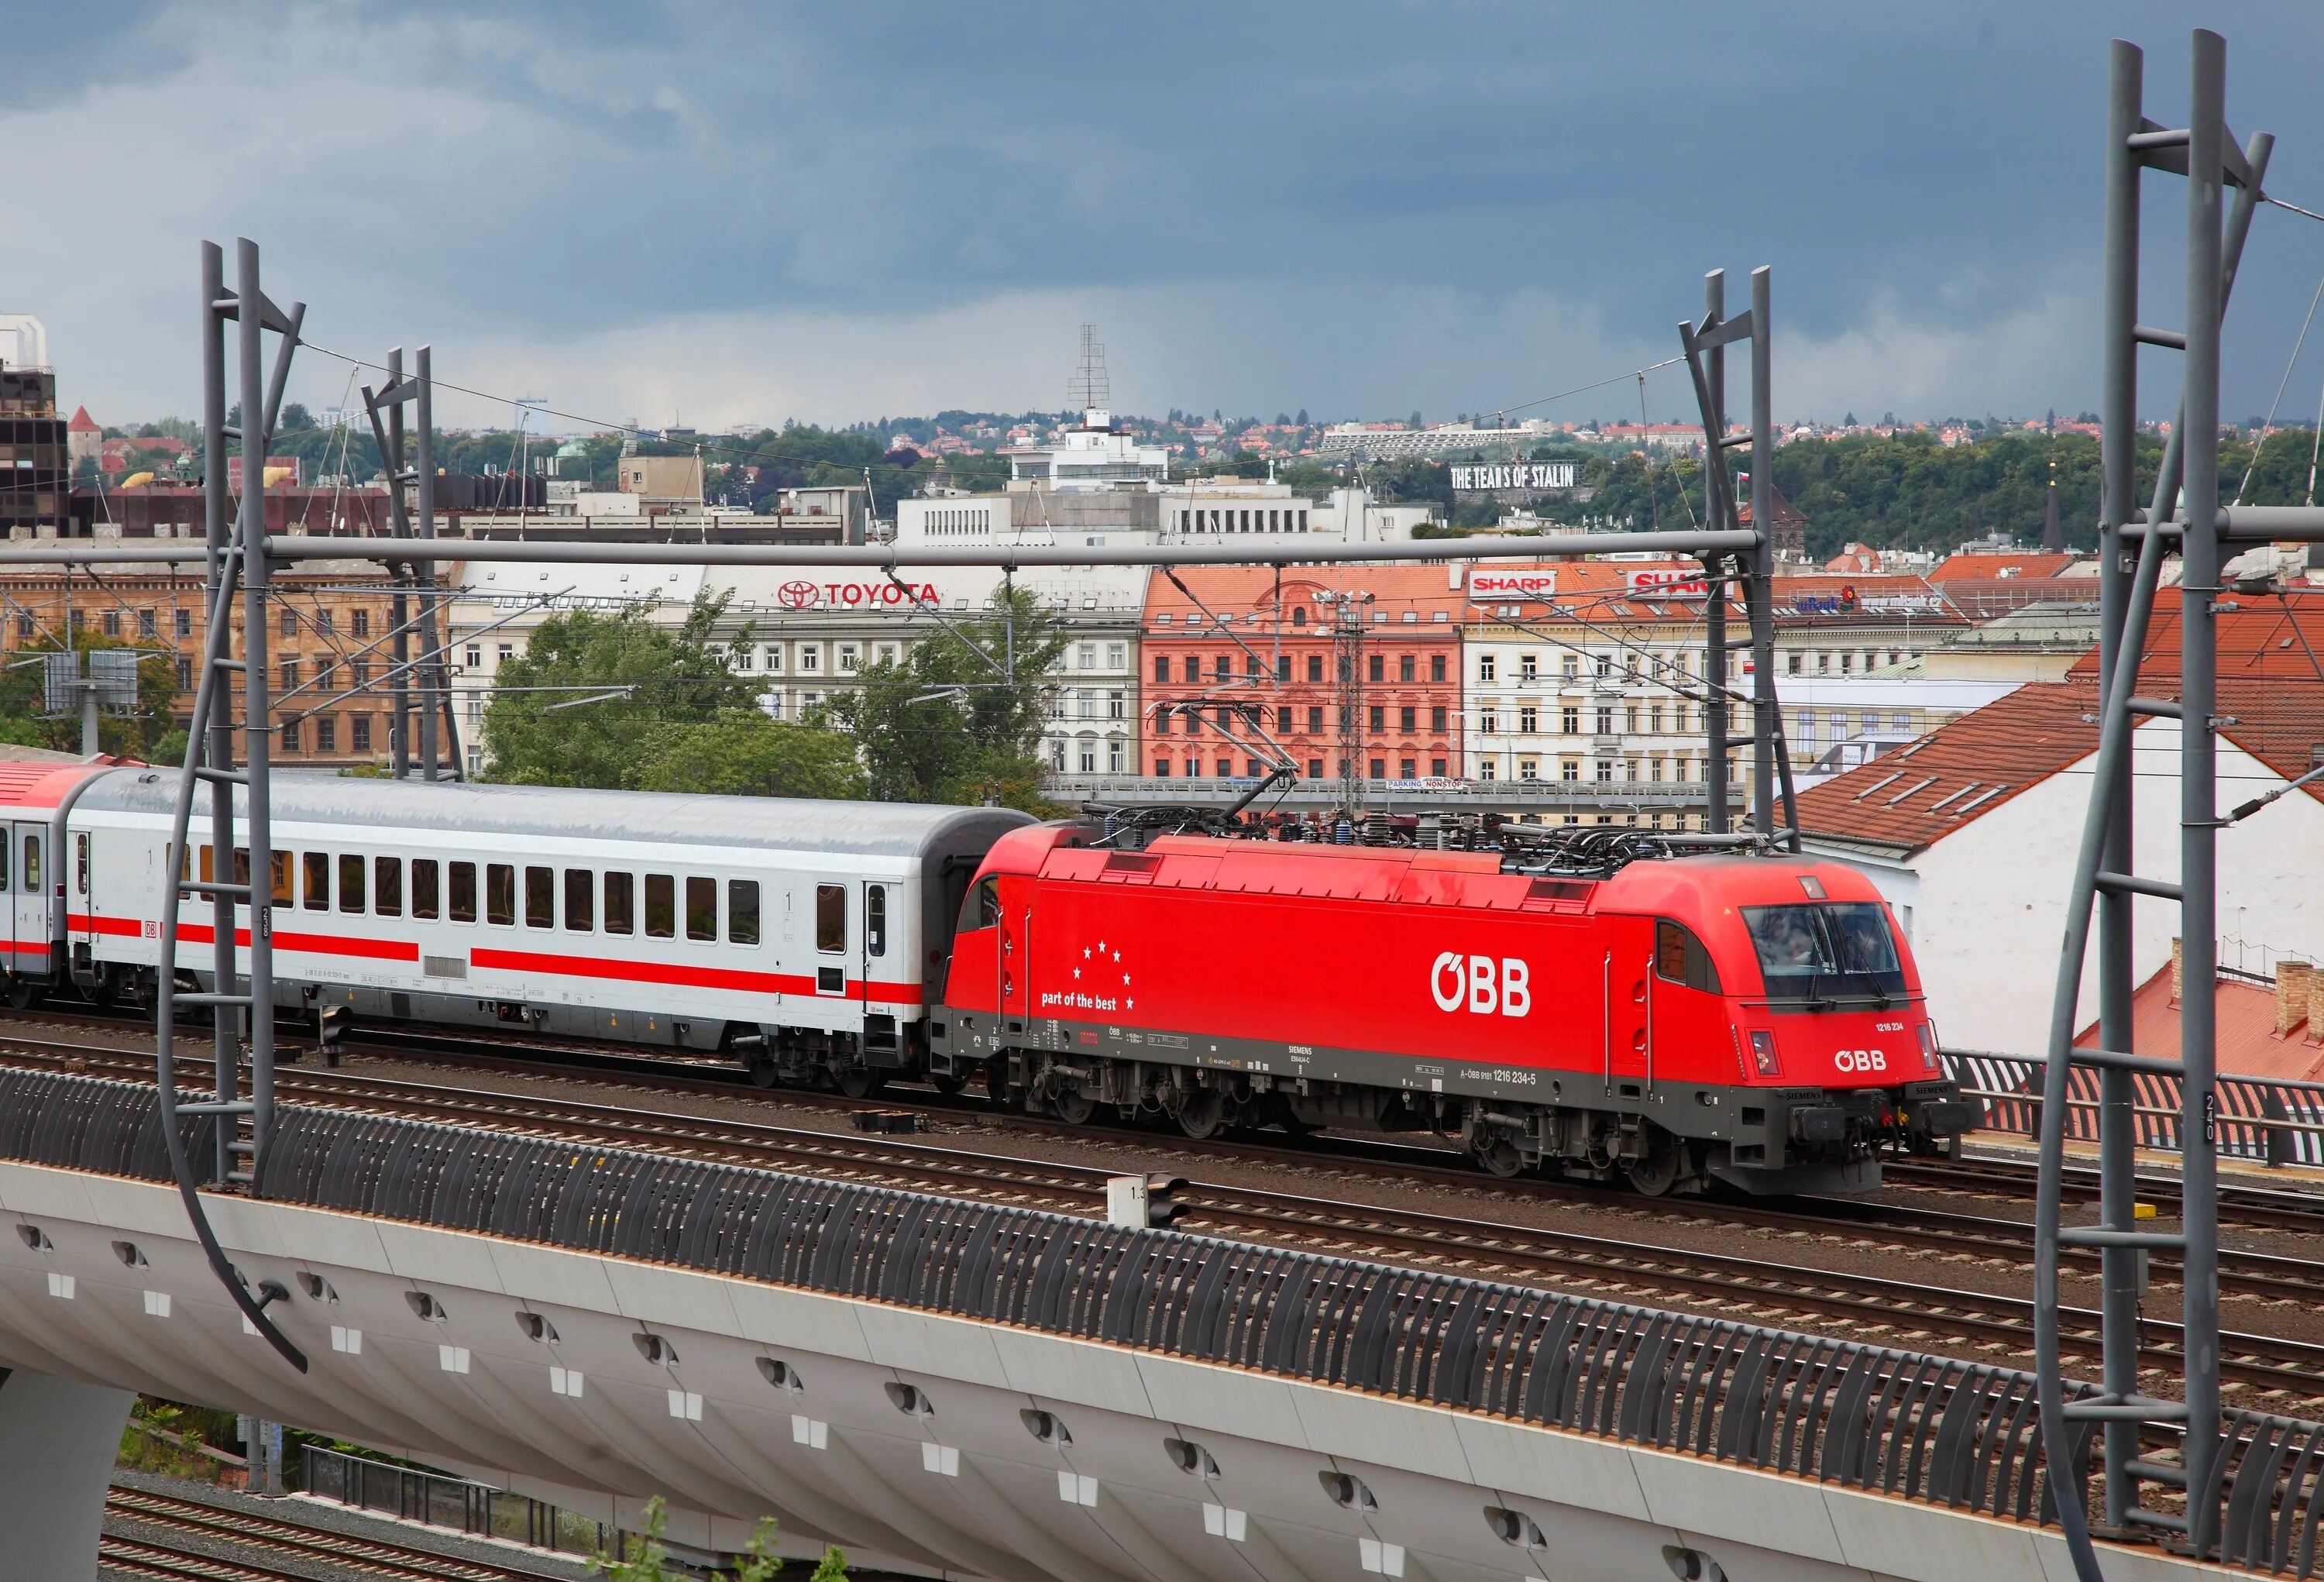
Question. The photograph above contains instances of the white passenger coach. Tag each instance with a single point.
(805, 936)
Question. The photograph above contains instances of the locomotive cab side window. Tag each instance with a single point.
(661, 906)
(464, 893)
(1680, 957)
(830, 919)
(317, 867)
(387, 886)
(742, 912)
(580, 900)
(499, 894)
(424, 898)
(540, 898)
(982, 910)
(351, 884)
(621, 903)
(702, 909)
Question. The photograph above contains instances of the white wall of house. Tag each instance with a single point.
(1989, 901)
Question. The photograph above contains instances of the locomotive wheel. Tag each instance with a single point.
(1202, 1114)
(946, 1083)
(1497, 1156)
(1074, 1107)
(1656, 1174)
(858, 1081)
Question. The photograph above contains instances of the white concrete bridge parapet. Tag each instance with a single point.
(913, 1440)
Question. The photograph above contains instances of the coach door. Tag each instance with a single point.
(874, 961)
(28, 896)
(1627, 970)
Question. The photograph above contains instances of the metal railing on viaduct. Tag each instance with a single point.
(1942, 1432)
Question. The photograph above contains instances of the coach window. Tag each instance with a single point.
(1680, 957)
(499, 894)
(702, 909)
(32, 865)
(742, 912)
(621, 903)
(830, 919)
(540, 898)
(387, 886)
(423, 888)
(351, 884)
(81, 862)
(580, 897)
(318, 879)
(661, 906)
(875, 919)
(279, 863)
(464, 893)
(241, 871)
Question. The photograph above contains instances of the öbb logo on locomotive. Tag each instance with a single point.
(1480, 985)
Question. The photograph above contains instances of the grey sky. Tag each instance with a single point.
(726, 212)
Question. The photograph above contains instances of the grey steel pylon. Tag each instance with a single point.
(2185, 507)
(244, 878)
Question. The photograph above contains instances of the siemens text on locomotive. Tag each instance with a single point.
(1671, 1018)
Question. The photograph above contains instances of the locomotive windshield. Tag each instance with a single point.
(1826, 951)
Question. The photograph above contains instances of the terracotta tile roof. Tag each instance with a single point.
(2260, 637)
(1238, 590)
(2017, 568)
(2247, 1041)
(82, 423)
(1963, 770)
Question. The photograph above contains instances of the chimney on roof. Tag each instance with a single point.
(2178, 969)
(2315, 1006)
(2293, 989)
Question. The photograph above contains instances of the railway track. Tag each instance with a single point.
(2259, 1276)
(268, 1538)
(1903, 1312)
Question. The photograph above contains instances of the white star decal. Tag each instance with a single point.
(1077, 971)
(1125, 980)
(1085, 953)
(1129, 1004)
(1117, 956)
(1100, 946)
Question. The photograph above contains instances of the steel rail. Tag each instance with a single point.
(312, 1544)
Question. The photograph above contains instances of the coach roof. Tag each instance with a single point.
(843, 827)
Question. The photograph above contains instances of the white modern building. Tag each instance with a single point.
(810, 637)
(1098, 453)
(1249, 511)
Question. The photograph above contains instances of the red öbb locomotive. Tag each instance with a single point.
(1673, 1019)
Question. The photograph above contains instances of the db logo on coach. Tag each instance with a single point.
(1480, 985)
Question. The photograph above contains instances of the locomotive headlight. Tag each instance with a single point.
(1763, 1054)
(1929, 1061)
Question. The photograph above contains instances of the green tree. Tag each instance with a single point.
(745, 754)
(947, 725)
(539, 730)
(758, 1562)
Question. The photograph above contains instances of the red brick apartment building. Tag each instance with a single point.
(1252, 657)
